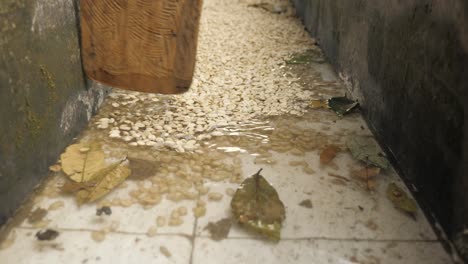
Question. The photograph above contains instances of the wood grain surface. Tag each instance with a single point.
(140, 45)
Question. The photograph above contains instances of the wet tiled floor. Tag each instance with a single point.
(346, 223)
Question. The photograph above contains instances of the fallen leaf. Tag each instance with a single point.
(48, 234)
(342, 105)
(366, 149)
(219, 230)
(306, 203)
(256, 206)
(82, 166)
(401, 200)
(142, 169)
(37, 215)
(103, 182)
(328, 154)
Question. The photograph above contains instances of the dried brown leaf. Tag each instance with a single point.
(81, 166)
(328, 154)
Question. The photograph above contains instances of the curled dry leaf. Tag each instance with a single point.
(48, 234)
(256, 206)
(82, 166)
(328, 154)
(342, 105)
(401, 200)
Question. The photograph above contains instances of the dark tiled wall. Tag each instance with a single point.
(44, 98)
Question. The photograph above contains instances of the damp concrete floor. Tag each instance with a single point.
(248, 109)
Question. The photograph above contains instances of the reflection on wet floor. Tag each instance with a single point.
(248, 110)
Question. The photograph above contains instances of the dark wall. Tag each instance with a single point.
(44, 98)
(407, 64)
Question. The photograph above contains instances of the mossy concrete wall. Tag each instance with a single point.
(44, 98)
(407, 64)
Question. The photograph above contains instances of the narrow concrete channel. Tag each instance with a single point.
(247, 110)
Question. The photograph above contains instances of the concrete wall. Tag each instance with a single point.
(407, 64)
(44, 98)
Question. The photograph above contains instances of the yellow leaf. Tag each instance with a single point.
(81, 165)
(103, 182)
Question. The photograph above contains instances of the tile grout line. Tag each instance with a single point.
(110, 232)
(337, 239)
(193, 238)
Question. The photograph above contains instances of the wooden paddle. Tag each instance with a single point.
(140, 45)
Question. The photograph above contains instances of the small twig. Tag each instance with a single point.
(338, 176)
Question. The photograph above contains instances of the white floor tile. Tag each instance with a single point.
(316, 251)
(336, 211)
(78, 247)
(131, 219)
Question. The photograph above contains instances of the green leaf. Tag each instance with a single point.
(256, 206)
(366, 149)
(342, 105)
(401, 200)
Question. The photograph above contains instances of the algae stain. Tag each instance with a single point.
(34, 124)
(52, 88)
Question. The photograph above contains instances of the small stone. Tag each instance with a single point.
(115, 104)
(125, 127)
